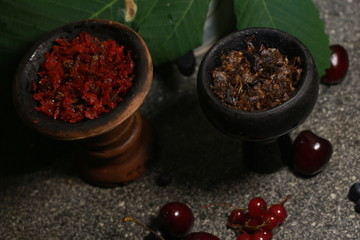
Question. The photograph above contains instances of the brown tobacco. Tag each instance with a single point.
(83, 78)
(255, 79)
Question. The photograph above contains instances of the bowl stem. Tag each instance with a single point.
(118, 156)
(267, 156)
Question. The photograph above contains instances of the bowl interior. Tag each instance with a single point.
(28, 69)
(270, 38)
(269, 123)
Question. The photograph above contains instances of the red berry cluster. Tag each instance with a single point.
(258, 221)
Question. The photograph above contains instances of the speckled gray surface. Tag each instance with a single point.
(51, 202)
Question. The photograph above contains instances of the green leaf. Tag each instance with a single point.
(299, 18)
(171, 28)
(23, 21)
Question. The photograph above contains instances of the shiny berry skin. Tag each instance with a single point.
(339, 64)
(311, 153)
(244, 236)
(354, 192)
(257, 207)
(266, 233)
(177, 218)
(279, 211)
(270, 221)
(252, 223)
(200, 236)
(237, 216)
(261, 235)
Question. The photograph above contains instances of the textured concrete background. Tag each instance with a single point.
(51, 202)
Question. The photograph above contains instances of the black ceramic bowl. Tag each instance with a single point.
(29, 67)
(260, 125)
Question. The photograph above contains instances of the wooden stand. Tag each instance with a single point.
(118, 156)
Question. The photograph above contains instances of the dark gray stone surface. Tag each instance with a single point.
(51, 202)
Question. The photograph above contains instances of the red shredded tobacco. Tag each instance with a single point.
(83, 78)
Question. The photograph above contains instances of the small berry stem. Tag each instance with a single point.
(131, 219)
(222, 205)
(285, 200)
(246, 226)
(256, 227)
(235, 226)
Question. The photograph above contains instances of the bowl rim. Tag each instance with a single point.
(73, 131)
(203, 76)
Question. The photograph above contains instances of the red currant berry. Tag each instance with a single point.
(200, 236)
(237, 216)
(252, 224)
(261, 235)
(257, 207)
(270, 221)
(177, 218)
(246, 218)
(267, 233)
(339, 64)
(279, 211)
(311, 153)
(244, 236)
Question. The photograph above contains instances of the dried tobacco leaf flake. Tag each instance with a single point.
(256, 79)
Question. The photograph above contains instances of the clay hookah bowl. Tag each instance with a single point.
(262, 132)
(115, 147)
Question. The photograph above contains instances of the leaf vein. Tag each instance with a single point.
(146, 15)
(71, 7)
(33, 11)
(23, 22)
(178, 23)
(268, 13)
(109, 5)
